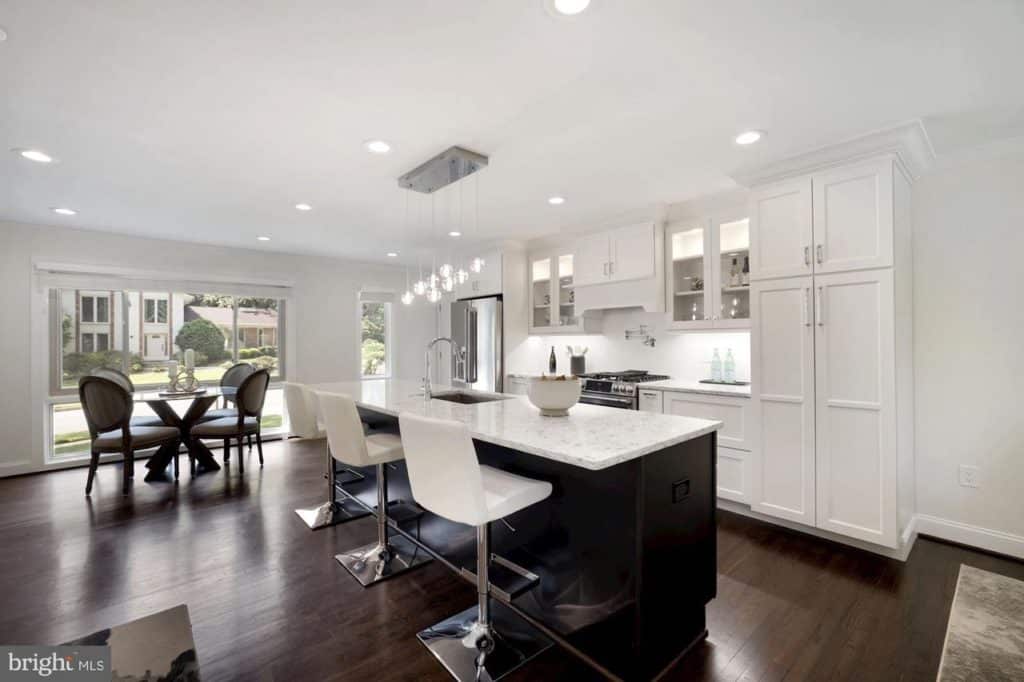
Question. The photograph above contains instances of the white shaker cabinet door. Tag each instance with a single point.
(591, 259)
(632, 249)
(853, 217)
(781, 237)
(782, 360)
(856, 396)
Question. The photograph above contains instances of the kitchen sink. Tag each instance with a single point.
(467, 397)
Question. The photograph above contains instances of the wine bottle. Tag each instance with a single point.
(745, 275)
(734, 274)
(552, 362)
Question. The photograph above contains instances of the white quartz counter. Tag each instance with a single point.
(697, 387)
(592, 437)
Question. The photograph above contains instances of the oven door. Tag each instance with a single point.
(622, 402)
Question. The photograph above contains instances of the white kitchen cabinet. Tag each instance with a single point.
(704, 291)
(650, 401)
(855, 405)
(619, 255)
(853, 217)
(632, 252)
(834, 436)
(735, 438)
(553, 296)
(781, 236)
(782, 376)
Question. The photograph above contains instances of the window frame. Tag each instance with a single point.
(381, 299)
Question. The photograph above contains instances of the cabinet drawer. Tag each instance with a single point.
(650, 401)
(732, 474)
(732, 412)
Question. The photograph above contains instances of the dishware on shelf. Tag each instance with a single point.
(553, 396)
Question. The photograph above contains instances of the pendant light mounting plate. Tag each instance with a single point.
(448, 167)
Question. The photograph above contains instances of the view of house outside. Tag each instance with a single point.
(143, 331)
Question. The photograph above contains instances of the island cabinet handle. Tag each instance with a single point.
(807, 255)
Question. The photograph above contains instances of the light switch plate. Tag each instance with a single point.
(969, 475)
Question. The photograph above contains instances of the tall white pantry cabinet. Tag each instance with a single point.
(831, 347)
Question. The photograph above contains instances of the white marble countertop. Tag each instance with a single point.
(591, 437)
(692, 386)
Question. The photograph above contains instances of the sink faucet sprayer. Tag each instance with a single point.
(457, 355)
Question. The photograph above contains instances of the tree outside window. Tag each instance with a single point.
(374, 345)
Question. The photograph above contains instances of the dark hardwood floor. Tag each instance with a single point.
(268, 601)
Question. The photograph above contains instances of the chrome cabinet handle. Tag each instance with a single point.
(606, 269)
(807, 255)
(818, 306)
(611, 268)
(805, 307)
(819, 254)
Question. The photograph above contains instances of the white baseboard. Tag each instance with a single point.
(973, 536)
(907, 539)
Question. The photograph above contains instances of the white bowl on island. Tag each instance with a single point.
(554, 395)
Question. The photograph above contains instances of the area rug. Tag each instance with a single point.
(151, 649)
(985, 634)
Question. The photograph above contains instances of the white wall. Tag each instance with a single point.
(969, 342)
(684, 356)
(321, 319)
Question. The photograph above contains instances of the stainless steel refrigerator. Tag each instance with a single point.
(477, 333)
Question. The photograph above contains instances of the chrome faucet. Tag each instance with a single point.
(426, 357)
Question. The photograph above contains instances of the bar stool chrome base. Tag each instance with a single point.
(378, 561)
(454, 641)
(332, 513)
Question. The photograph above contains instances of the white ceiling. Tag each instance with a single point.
(207, 121)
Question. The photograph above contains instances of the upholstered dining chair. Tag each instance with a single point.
(246, 420)
(122, 379)
(108, 413)
(234, 376)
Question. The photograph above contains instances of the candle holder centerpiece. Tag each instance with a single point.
(183, 380)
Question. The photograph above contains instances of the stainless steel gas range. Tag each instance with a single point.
(616, 389)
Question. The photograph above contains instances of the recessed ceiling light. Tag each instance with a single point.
(377, 146)
(263, 239)
(65, 211)
(34, 155)
(556, 201)
(454, 233)
(392, 254)
(570, 7)
(749, 137)
(303, 207)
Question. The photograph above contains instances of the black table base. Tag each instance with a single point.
(198, 451)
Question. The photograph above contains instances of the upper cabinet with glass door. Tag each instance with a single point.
(553, 296)
(709, 274)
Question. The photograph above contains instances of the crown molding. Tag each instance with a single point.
(909, 143)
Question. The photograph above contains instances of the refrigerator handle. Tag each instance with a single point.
(471, 350)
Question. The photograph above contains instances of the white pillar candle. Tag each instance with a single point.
(172, 369)
(190, 359)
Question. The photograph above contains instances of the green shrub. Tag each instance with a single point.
(136, 363)
(249, 353)
(268, 350)
(80, 364)
(264, 362)
(203, 337)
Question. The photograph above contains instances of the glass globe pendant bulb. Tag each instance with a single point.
(445, 271)
(448, 284)
(461, 276)
(433, 294)
(432, 281)
(477, 264)
(408, 298)
(419, 288)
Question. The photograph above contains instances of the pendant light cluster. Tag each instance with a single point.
(444, 278)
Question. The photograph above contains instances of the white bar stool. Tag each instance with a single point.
(388, 556)
(302, 416)
(447, 479)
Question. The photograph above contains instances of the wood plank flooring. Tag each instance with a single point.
(268, 602)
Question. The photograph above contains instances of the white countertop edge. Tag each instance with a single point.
(677, 386)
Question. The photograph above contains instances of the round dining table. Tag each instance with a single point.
(201, 402)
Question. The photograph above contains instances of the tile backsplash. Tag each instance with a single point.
(682, 355)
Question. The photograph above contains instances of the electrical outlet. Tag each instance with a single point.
(969, 475)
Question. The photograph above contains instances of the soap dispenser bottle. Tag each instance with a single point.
(729, 372)
(716, 367)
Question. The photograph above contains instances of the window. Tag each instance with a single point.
(375, 342)
(155, 310)
(221, 329)
(95, 309)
